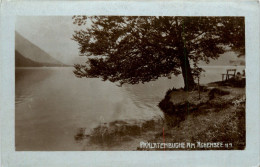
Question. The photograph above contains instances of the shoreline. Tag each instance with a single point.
(218, 116)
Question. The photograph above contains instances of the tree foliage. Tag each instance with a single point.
(133, 49)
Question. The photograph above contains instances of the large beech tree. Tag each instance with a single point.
(133, 49)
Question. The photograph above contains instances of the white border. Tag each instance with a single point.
(11, 158)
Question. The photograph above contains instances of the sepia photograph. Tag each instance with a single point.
(130, 83)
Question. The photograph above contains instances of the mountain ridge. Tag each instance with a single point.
(33, 52)
(21, 61)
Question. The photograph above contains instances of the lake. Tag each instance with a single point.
(52, 104)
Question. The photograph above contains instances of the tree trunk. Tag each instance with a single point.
(189, 83)
(186, 73)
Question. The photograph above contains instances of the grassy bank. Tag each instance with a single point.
(218, 115)
(214, 114)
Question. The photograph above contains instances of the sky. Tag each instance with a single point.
(53, 35)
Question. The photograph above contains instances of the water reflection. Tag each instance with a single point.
(116, 133)
(52, 104)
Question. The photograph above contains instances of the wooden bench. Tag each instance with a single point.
(232, 74)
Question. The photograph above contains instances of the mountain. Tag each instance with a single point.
(29, 54)
(237, 62)
(229, 58)
(21, 61)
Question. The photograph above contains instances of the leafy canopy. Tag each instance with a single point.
(133, 49)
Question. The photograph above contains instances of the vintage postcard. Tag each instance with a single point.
(160, 80)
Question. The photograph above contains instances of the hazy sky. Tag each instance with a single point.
(52, 34)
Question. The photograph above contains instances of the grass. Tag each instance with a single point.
(218, 116)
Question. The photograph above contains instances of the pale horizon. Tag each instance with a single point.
(53, 35)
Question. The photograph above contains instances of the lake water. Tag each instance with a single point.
(52, 104)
